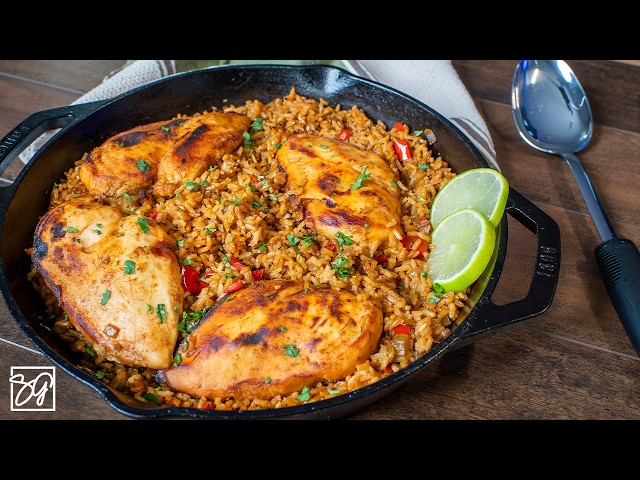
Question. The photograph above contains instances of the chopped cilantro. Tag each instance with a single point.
(292, 239)
(177, 359)
(237, 201)
(282, 329)
(204, 183)
(105, 297)
(149, 307)
(304, 395)
(437, 288)
(344, 240)
(190, 320)
(225, 261)
(100, 374)
(161, 311)
(143, 223)
(129, 267)
(424, 274)
(142, 165)
(307, 241)
(180, 243)
(394, 184)
(324, 147)
(229, 275)
(187, 261)
(333, 391)
(434, 298)
(361, 178)
(291, 350)
(342, 266)
(165, 128)
(211, 168)
(417, 133)
(247, 142)
(256, 126)
(267, 379)
(366, 225)
(191, 185)
(71, 229)
(262, 248)
(423, 166)
(89, 349)
(256, 205)
(127, 197)
(97, 232)
(210, 230)
(152, 397)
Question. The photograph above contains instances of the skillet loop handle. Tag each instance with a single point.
(14, 142)
(488, 315)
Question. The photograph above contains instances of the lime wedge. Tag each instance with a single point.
(482, 189)
(462, 245)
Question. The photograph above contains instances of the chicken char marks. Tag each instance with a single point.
(275, 337)
(162, 155)
(341, 188)
(117, 278)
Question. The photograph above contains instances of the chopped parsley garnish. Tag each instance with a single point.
(161, 311)
(344, 240)
(307, 241)
(127, 197)
(277, 146)
(211, 168)
(177, 359)
(256, 205)
(180, 243)
(304, 395)
(71, 229)
(423, 166)
(190, 320)
(99, 225)
(89, 349)
(417, 133)
(292, 239)
(434, 298)
(210, 230)
(225, 261)
(187, 261)
(100, 374)
(66, 316)
(97, 232)
(437, 288)
(175, 308)
(366, 225)
(324, 147)
(105, 297)
(191, 185)
(361, 178)
(149, 307)
(333, 391)
(142, 165)
(229, 275)
(252, 188)
(273, 196)
(204, 183)
(152, 397)
(56, 184)
(291, 350)
(267, 379)
(129, 267)
(247, 142)
(237, 201)
(262, 248)
(424, 274)
(164, 128)
(256, 126)
(394, 184)
(282, 329)
(421, 199)
(342, 266)
(143, 223)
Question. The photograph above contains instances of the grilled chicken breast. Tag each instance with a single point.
(273, 338)
(117, 278)
(162, 154)
(341, 188)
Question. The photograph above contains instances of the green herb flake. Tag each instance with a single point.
(342, 266)
(291, 350)
(277, 146)
(228, 275)
(423, 166)
(158, 388)
(262, 248)
(422, 199)
(191, 186)
(105, 297)
(424, 274)
(237, 201)
(273, 196)
(71, 229)
(333, 391)
(44, 326)
(56, 184)
(121, 144)
(324, 147)
(292, 239)
(180, 243)
(190, 320)
(175, 308)
(152, 397)
(417, 133)
(267, 379)
(210, 230)
(225, 261)
(247, 142)
(66, 316)
(165, 128)
(252, 188)
(434, 298)
(394, 184)
(211, 168)
(334, 154)
(282, 329)
(129, 267)
(225, 100)
(204, 183)
(256, 126)
(187, 261)
(256, 205)
(100, 374)
(306, 241)
(306, 290)
(142, 165)
(89, 349)
(97, 232)
(437, 288)
(344, 240)
(161, 311)
(361, 178)
(304, 395)
(177, 359)
(143, 223)
(149, 307)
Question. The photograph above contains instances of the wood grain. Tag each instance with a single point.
(572, 362)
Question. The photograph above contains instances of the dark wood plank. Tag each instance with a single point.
(78, 76)
(607, 84)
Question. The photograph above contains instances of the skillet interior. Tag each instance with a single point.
(189, 93)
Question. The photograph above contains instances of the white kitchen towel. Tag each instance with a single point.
(433, 82)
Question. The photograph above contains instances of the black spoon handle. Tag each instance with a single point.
(619, 262)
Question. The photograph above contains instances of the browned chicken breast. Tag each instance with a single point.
(162, 154)
(274, 338)
(341, 188)
(115, 276)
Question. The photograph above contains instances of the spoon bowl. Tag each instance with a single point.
(552, 114)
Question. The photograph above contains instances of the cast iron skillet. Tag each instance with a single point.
(88, 125)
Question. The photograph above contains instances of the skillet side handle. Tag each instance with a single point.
(14, 142)
(491, 318)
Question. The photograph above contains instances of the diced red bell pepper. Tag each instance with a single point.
(402, 149)
(399, 126)
(254, 179)
(388, 369)
(237, 264)
(345, 133)
(381, 259)
(403, 328)
(191, 280)
(330, 246)
(154, 215)
(207, 406)
(234, 286)
(257, 274)
(408, 241)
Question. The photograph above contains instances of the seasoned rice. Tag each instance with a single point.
(227, 215)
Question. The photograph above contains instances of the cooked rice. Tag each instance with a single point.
(244, 220)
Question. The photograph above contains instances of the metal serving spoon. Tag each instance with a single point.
(552, 114)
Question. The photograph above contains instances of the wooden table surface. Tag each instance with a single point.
(573, 361)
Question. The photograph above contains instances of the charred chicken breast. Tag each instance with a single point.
(341, 188)
(274, 338)
(162, 155)
(116, 277)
